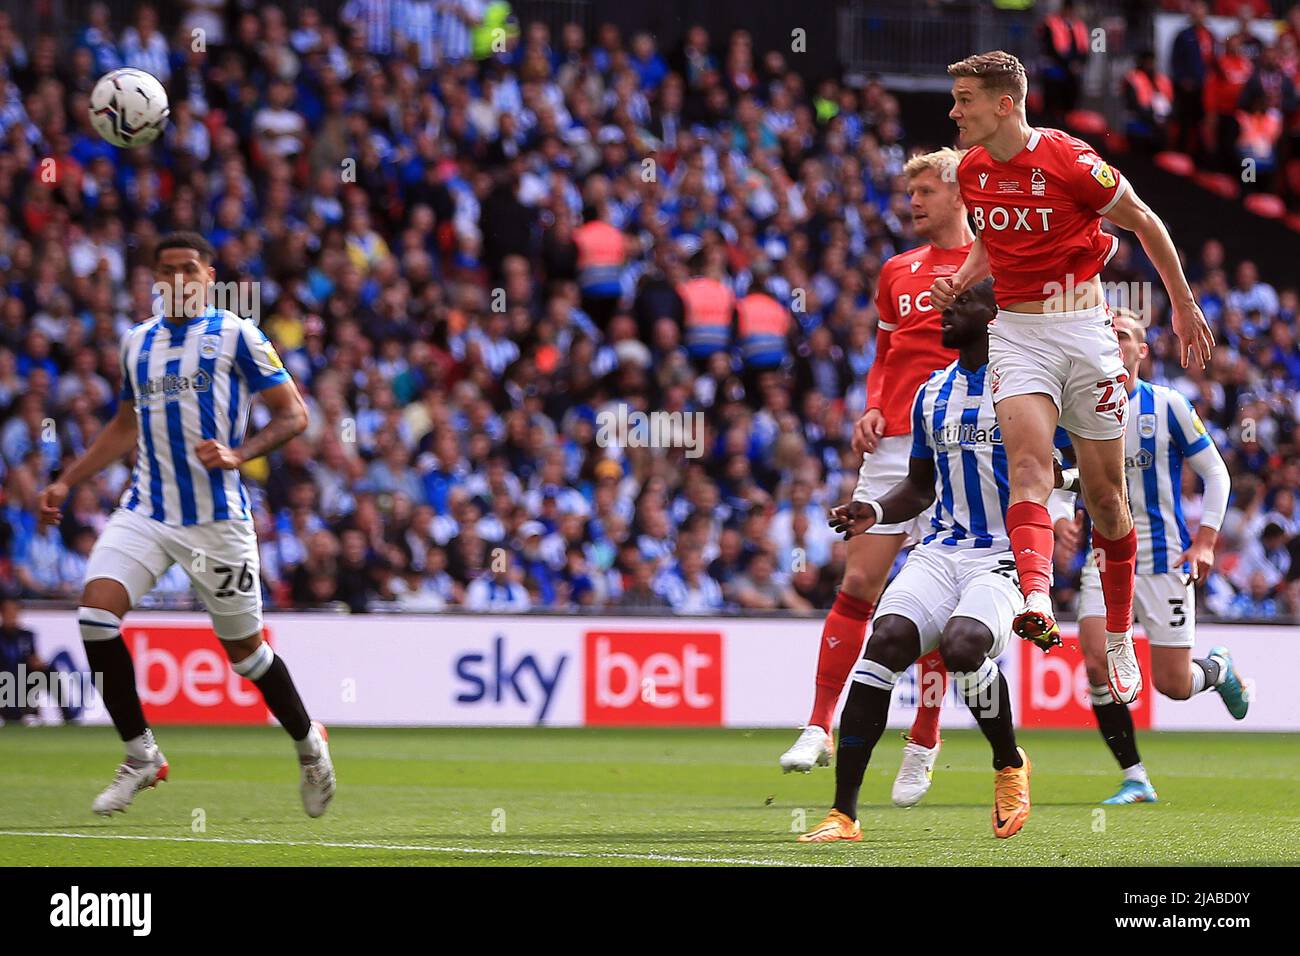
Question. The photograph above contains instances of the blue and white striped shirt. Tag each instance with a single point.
(189, 383)
(954, 425)
(1163, 432)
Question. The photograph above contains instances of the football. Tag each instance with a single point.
(128, 107)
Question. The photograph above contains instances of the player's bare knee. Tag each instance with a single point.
(893, 642)
(861, 583)
(1109, 511)
(1030, 479)
(106, 594)
(964, 645)
(243, 648)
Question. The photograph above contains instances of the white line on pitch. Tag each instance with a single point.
(406, 847)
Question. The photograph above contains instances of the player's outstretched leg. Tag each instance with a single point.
(254, 659)
(1179, 676)
(1116, 558)
(893, 645)
(1113, 718)
(922, 748)
(103, 603)
(965, 646)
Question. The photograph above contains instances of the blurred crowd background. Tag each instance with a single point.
(470, 255)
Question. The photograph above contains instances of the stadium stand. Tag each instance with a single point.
(472, 263)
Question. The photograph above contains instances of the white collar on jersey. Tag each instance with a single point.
(1034, 137)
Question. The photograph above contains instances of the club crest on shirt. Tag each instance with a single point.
(1038, 183)
(1147, 426)
(209, 346)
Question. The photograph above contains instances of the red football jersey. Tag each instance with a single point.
(1039, 214)
(907, 336)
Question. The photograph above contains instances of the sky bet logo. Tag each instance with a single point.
(499, 679)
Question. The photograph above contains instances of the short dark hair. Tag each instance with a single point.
(185, 240)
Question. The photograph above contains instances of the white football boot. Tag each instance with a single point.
(814, 748)
(317, 787)
(133, 775)
(916, 773)
(1122, 672)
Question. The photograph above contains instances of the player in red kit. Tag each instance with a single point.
(1037, 197)
(908, 349)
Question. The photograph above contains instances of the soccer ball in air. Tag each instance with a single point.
(128, 107)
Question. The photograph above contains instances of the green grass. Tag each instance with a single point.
(631, 797)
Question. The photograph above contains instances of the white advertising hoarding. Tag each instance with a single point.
(458, 670)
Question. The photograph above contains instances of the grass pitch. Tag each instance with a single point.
(596, 797)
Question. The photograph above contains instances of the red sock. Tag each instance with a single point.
(842, 637)
(932, 679)
(1115, 566)
(1030, 529)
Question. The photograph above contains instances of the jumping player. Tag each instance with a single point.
(1163, 432)
(188, 378)
(908, 349)
(958, 590)
(1037, 197)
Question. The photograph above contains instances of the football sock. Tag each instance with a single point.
(1206, 674)
(110, 662)
(1030, 529)
(1115, 567)
(841, 647)
(861, 724)
(932, 682)
(1116, 726)
(1137, 772)
(989, 699)
(267, 671)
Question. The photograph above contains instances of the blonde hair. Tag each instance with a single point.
(1135, 326)
(999, 71)
(942, 161)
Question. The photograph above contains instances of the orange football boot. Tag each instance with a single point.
(1011, 798)
(836, 826)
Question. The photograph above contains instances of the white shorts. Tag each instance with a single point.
(940, 582)
(882, 470)
(1164, 604)
(220, 558)
(1071, 356)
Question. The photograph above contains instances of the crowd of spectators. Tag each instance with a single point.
(469, 263)
(1228, 99)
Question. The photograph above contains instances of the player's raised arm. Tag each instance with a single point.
(1194, 335)
(972, 272)
(114, 442)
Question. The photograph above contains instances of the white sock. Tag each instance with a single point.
(1114, 639)
(1198, 678)
(309, 746)
(1223, 669)
(142, 747)
(1137, 772)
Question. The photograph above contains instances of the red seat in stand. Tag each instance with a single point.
(1088, 122)
(1180, 164)
(1266, 204)
(1217, 183)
